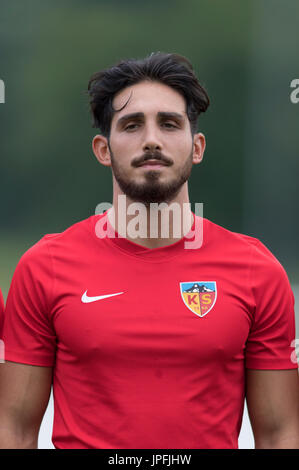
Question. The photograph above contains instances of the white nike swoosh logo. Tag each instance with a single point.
(86, 300)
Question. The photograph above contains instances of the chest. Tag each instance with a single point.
(179, 314)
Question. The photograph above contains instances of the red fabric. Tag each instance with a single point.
(140, 369)
(1, 314)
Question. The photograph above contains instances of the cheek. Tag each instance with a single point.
(123, 146)
(182, 148)
(122, 157)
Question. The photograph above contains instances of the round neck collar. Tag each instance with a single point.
(190, 242)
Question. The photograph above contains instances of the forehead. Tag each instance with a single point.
(148, 97)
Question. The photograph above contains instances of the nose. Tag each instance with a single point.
(152, 141)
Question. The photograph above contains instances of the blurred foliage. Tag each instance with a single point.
(49, 178)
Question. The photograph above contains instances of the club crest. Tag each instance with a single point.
(199, 296)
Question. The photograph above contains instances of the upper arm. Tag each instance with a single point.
(24, 395)
(273, 406)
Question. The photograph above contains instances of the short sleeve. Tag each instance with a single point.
(270, 344)
(28, 334)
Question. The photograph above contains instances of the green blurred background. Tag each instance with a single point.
(245, 54)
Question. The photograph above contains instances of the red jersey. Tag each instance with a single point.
(149, 346)
(1, 302)
(1, 313)
(1, 327)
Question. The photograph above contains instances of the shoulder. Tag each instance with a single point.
(247, 247)
(217, 233)
(77, 231)
(41, 252)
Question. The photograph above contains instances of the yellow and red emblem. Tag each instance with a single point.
(199, 296)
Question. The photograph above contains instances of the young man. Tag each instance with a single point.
(150, 340)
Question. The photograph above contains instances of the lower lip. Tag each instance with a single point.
(152, 167)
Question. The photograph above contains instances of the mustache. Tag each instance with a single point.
(151, 156)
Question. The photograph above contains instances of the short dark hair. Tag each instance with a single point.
(170, 69)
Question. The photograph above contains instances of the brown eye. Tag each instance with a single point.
(169, 125)
(131, 127)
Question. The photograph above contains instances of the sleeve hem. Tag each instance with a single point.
(34, 360)
(270, 364)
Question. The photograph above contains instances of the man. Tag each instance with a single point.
(149, 342)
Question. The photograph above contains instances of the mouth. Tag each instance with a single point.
(153, 164)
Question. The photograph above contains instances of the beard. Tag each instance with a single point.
(152, 190)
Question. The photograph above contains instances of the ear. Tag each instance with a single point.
(199, 145)
(101, 150)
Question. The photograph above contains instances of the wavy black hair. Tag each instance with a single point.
(170, 69)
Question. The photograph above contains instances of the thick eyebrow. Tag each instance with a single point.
(139, 116)
(129, 117)
(171, 115)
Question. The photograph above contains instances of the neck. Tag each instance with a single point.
(152, 225)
